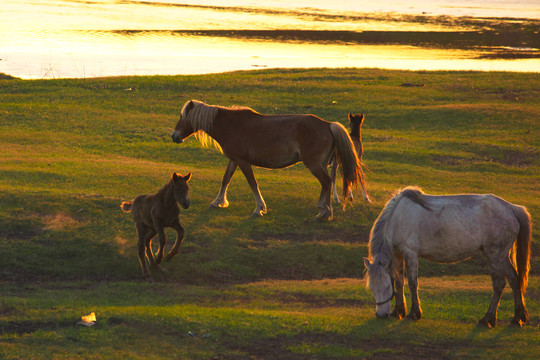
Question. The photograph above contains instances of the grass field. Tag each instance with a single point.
(279, 287)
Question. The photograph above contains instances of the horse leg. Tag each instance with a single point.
(520, 312)
(364, 192)
(497, 271)
(400, 311)
(179, 237)
(143, 232)
(412, 277)
(333, 174)
(162, 242)
(260, 210)
(148, 247)
(221, 200)
(325, 208)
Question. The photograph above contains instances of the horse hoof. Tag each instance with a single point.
(398, 315)
(414, 317)
(486, 324)
(215, 205)
(515, 323)
(323, 217)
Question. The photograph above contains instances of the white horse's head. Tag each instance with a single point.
(381, 285)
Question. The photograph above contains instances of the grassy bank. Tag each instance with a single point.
(74, 149)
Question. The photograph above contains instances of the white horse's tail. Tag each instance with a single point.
(523, 245)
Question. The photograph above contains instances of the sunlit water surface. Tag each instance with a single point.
(69, 38)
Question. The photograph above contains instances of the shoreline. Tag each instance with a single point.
(262, 69)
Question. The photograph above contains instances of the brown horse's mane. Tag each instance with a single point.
(201, 117)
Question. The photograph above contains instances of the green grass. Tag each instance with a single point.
(283, 286)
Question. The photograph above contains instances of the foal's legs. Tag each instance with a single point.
(412, 277)
(221, 199)
(333, 174)
(401, 307)
(248, 173)
(162, 242)
(179, 237)
(145, 236)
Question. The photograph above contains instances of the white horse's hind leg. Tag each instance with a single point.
(520, 312)
(221, 200)
(499, 282)
(496, 266)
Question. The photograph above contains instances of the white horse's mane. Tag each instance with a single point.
(378, 242)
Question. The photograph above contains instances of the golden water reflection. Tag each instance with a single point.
(63, 38)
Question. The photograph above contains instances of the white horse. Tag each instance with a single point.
(448, 229)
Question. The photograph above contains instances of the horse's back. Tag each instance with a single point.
(271, 141)
(452, 228)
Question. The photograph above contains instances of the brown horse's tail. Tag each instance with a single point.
(126, 206)
(348, 159)
(523, 245)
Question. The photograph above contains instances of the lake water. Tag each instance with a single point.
(92, 38)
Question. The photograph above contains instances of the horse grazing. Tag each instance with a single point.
(355, 123)
(153, 213)
(272, 141)
(448, 229)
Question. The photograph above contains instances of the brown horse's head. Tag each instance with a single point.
(183, 128)
(356, 132)
(181, 188)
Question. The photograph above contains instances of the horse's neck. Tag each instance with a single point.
(166, 195)
(356, 132)
(384, 257)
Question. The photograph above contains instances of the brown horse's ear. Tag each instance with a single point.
(187, 177)
(350, 117)
(361, 118)
(175, 176)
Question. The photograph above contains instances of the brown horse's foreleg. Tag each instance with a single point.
(179, 237)
(221, 200)
(412, 276)
(260, 210)
(400, 311)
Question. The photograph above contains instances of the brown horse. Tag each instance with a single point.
(153, 213)
(355, 123)
(272, 141)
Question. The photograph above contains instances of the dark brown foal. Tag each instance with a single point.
(153, 213)
(355, 123)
